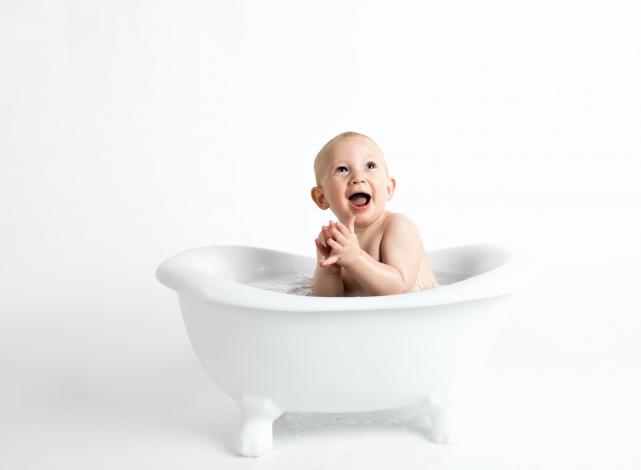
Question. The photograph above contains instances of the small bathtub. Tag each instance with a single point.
(275, 352)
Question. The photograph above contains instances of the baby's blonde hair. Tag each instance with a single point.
(318, 161)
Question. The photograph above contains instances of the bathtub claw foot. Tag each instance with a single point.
(255, 438)
(256, 430)
(439, 408)
(440, 429)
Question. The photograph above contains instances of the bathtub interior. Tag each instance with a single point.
(250, 265)
(450, 265)
(468, 261)
(245, 264)
(244, 275)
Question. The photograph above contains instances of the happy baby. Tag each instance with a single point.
(369, 251)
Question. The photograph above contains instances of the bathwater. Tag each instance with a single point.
(290, 282)
(299, 283)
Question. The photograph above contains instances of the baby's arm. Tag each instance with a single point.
(400, 249)
(328, 281)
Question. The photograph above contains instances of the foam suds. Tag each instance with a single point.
(299, 283)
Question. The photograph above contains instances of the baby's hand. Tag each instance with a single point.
(321, 242)
(324, 250)
(343, 241)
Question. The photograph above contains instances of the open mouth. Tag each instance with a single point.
(360, 201)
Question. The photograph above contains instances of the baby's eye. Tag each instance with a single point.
(341, 167)
(371, 165)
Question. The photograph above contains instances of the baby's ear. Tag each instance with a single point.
(391, 186)
(319, 198)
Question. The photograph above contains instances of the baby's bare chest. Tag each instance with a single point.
(372, 245)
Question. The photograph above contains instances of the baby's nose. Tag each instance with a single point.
(358, 178)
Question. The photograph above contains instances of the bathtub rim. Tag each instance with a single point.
(177, 275)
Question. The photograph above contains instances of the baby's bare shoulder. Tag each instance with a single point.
(401, 246)
(397, 223)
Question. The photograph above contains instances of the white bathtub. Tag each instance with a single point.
(275, 352)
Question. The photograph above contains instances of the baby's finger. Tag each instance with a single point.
(335, 245)
(325, 250)
(329, 261)
(344, 230)
(326, 235)
(337, 235)
(321, 237)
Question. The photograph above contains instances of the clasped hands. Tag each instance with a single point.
(338, 244)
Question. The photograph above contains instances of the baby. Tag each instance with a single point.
(369, 251)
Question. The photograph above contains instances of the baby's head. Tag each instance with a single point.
(352, 178)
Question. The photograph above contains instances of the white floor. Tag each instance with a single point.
(121, 388)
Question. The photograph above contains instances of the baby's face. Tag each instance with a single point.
(354, 180)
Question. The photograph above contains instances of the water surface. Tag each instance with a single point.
(299, 283)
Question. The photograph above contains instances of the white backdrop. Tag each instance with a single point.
(133, 130)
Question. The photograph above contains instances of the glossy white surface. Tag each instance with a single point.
(274, 352)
